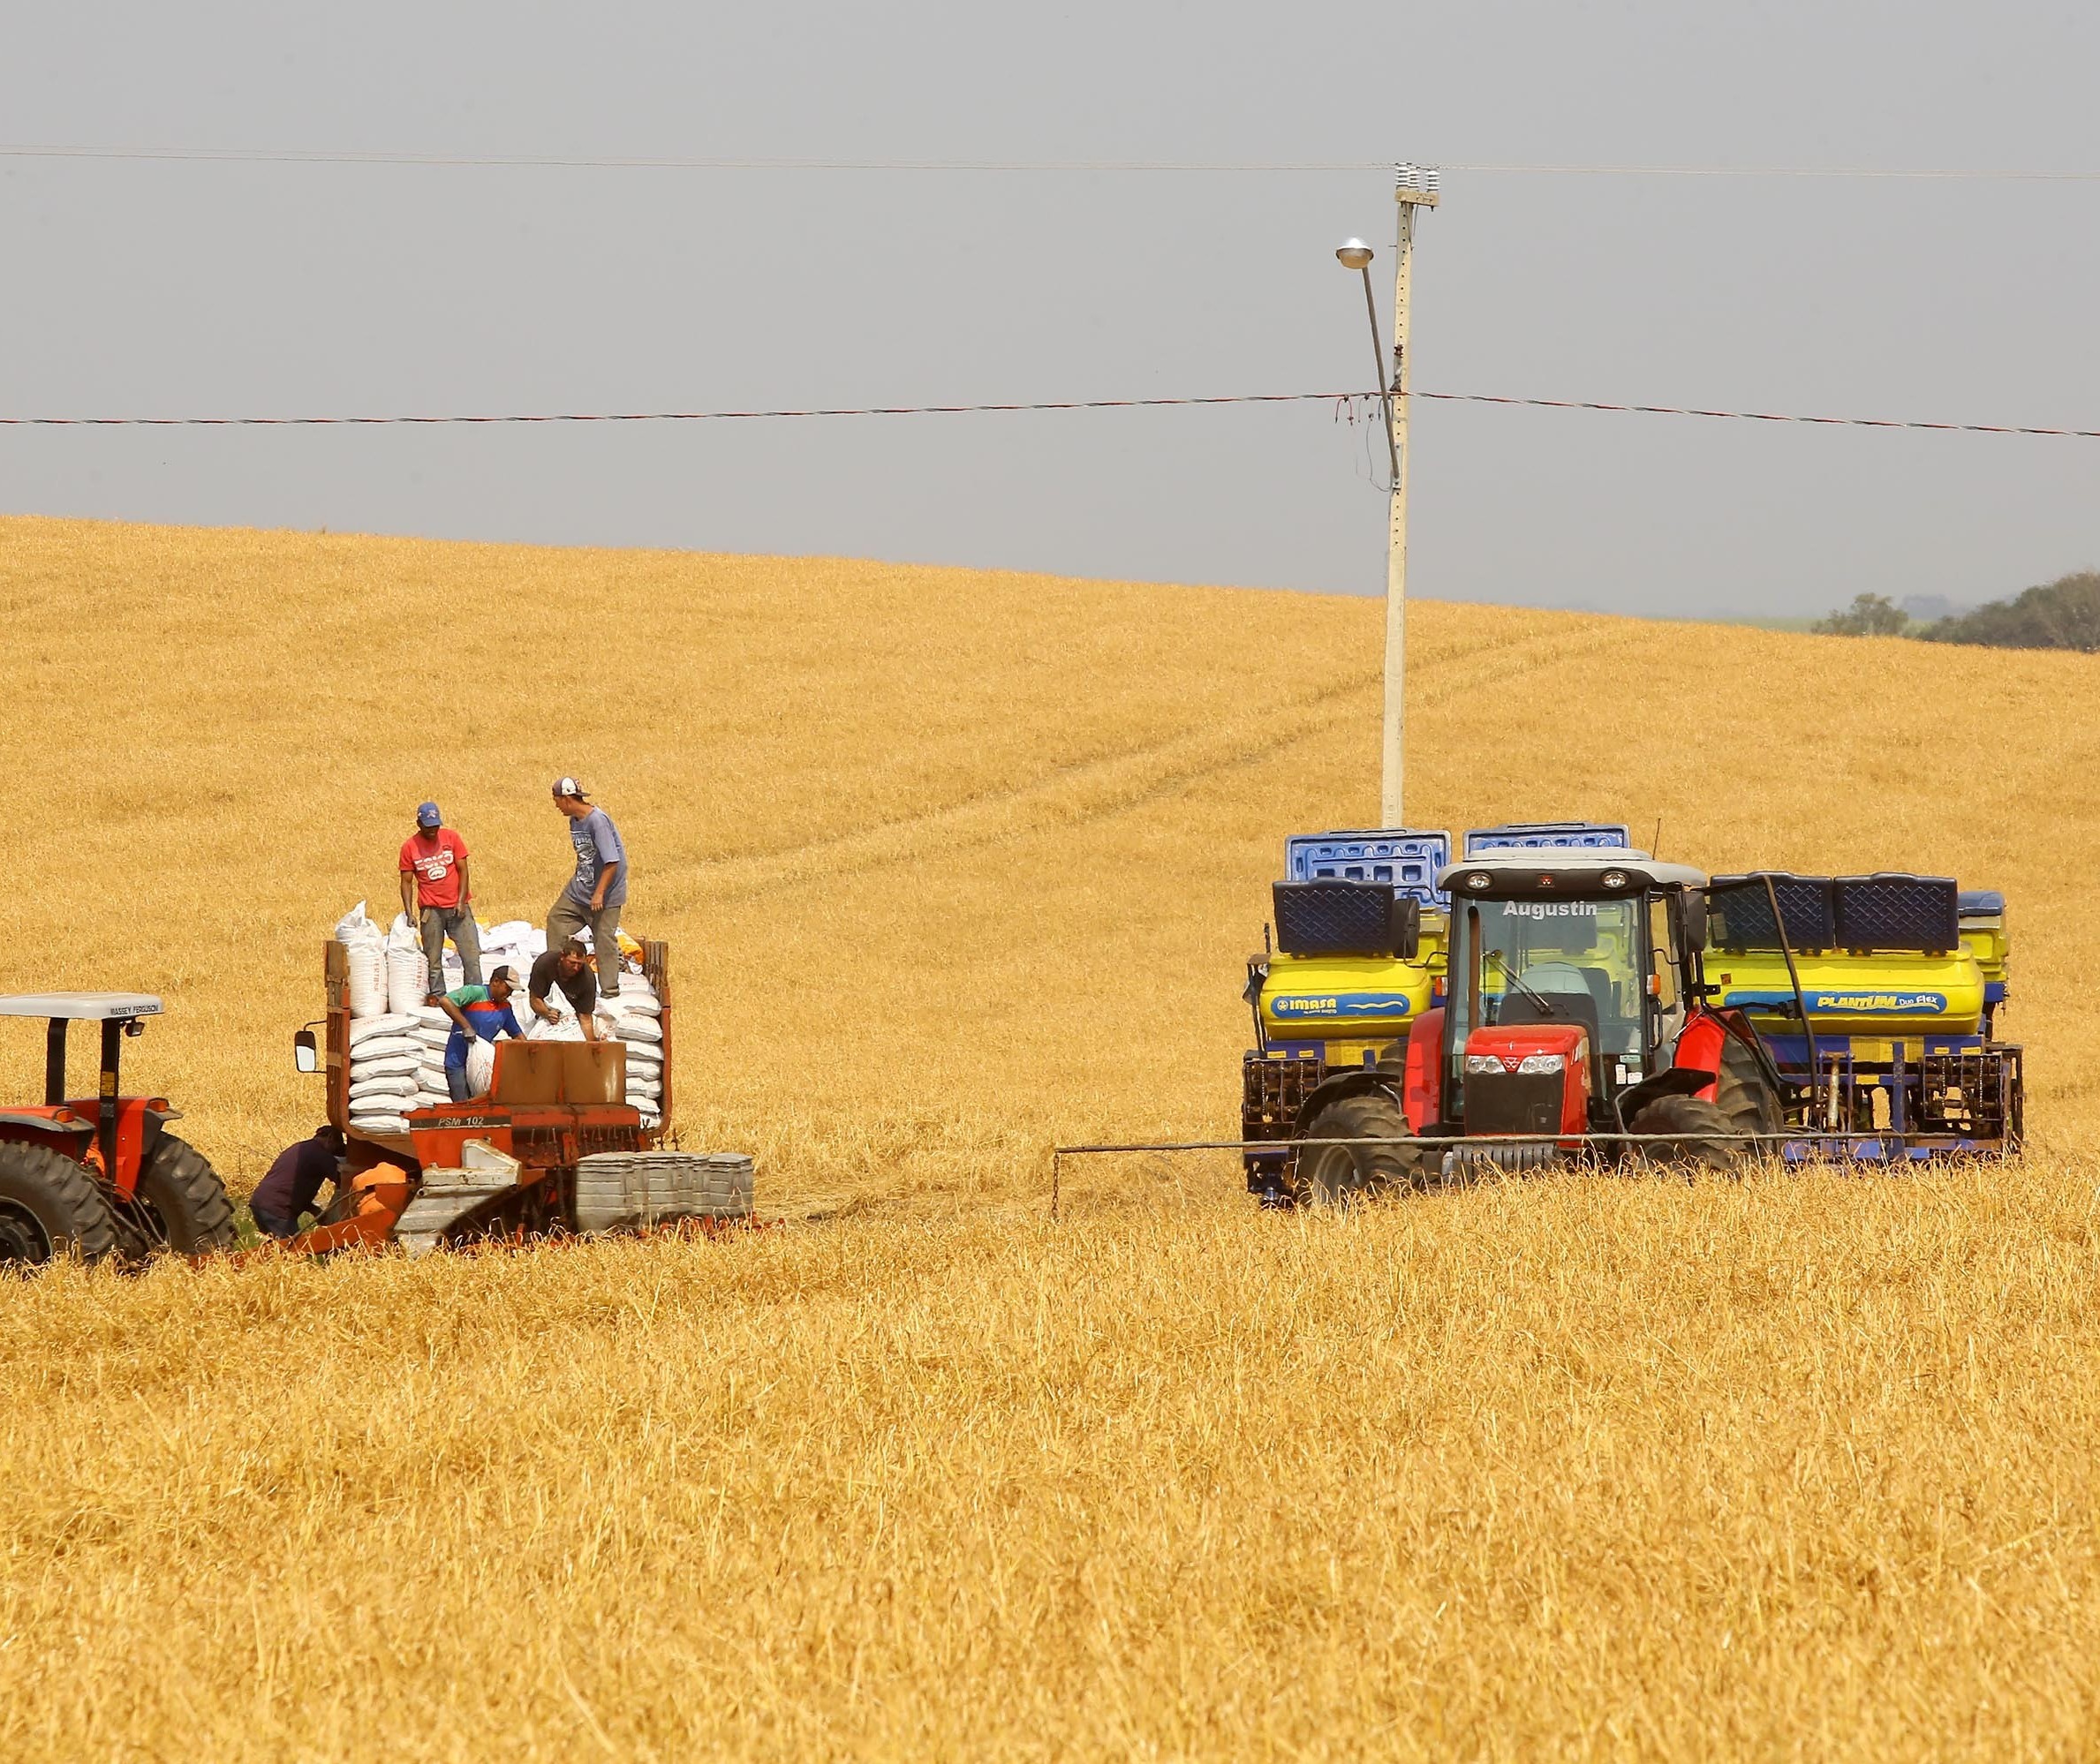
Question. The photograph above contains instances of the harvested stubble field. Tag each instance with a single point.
(954, 863)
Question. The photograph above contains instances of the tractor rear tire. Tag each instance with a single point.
(51, 1209)
(1700, 1134)
(1744, 1094)
(179, 1204)
(1340, 1175)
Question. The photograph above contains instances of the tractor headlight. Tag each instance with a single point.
(1478, 1064)
(1613, 878)
(1479, 878)
(1536, 1063)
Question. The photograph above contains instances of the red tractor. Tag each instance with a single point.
(1558, 998)
(101, 1175)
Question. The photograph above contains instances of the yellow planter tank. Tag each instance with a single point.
(1344, 998)
(1894, 994)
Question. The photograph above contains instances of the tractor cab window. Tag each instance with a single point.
(1662, 943)
(1530, 962)
(1665, 964)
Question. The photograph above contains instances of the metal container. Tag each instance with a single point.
(639, 1190)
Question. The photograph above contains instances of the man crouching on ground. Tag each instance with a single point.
(293, 1188)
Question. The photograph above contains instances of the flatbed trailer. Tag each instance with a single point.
(551, 1105)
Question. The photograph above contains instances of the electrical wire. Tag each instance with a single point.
(645, 162)
(1760, 415)
(1345, 403)
(666, 416)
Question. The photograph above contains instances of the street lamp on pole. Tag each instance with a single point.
(1414, 187)
(1354, 254)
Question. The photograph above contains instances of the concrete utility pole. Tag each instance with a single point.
(1415, 187)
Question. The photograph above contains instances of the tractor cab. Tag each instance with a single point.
(1557, 994)
(1572, 972)
(1523, 999)
(105, 1128)
(100, 1175)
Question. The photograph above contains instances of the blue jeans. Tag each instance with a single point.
(274, 1224)
(457, 1082)
(457, 923)
(565, 918)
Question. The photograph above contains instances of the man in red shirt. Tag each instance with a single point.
(435, 892)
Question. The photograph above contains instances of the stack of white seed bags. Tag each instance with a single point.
(382, 1061)
(397, 1041)
(632, 1018)
(433, 1031)
(512, 944)
(364, 960)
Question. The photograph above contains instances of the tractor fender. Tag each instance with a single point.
(1676, 1080)
(1698, 1050)
(1700, 1043)
(1358, 1080)
(43, 1124)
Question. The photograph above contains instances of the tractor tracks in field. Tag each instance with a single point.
(1097, 789)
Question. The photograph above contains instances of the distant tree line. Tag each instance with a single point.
(2060, 615)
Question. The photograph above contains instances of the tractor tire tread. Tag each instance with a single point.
(180, 1184)
(1700, 1133)
(1742, 1094)
(1328, 1176)
(67, 1201)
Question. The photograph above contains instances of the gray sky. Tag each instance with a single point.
(200, 289)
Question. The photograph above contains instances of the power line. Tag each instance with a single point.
(1344, 403)
(1759, 416)
(1926, 174)
(670, 416)
(636, 163)
(641, 163)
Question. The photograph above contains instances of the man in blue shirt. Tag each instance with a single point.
(476, 1011)
(598, 889)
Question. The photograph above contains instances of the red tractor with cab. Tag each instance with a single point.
(1556, 997)
(100, 1176)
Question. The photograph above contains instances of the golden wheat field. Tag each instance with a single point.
(955, 865)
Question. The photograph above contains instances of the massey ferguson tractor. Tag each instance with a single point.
(100, 1176)
(1557, 997)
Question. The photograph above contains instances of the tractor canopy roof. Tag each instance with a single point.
(1590, 873)
(80, 1006)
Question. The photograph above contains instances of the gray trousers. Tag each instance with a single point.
(457, 923)
(565, 918)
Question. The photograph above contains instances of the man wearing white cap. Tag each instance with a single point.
(598, 889)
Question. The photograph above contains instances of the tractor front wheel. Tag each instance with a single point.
(1700, 1134)
(1335, 1175)
(179, 1204)
(49, 1208)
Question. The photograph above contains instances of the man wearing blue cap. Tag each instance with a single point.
(435, 892)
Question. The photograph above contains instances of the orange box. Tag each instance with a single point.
(528, 1071)
(591, 1070)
